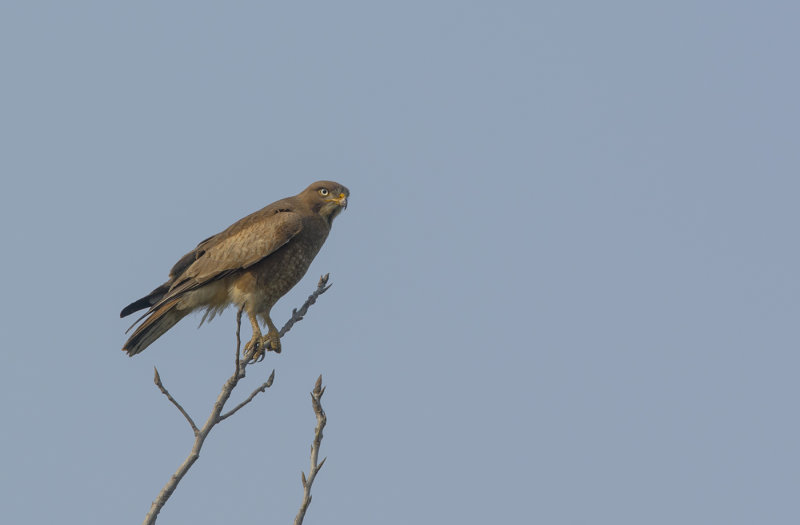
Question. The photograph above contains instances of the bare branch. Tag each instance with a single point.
(262, 388)
(200, 437)
(216, 412)
(316, 403)
(239, 367)
(297, 315)
(157, 381)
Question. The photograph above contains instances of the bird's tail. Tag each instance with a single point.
(147, 301)
(158, 321)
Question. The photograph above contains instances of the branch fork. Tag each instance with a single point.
(216, 416)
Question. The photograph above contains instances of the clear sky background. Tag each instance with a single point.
(565, 290)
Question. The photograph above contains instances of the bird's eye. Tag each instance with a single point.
(323, 192)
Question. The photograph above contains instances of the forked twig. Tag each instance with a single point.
(216, 415)
(316, 402)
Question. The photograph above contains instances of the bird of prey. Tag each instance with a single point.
(251, 264)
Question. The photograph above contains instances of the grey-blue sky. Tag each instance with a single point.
(564, 290)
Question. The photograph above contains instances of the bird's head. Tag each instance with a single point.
(327, 198)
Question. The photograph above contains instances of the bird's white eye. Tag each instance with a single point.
(323, 192)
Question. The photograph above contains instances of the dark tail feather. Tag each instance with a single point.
(157, 323)
(147, 301)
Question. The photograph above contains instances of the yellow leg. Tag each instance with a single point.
(272, 341)
(254, 348)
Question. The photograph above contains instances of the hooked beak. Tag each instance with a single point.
(341, 200)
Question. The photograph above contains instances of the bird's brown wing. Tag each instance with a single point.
(243, 244)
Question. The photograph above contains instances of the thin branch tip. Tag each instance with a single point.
(299, 314)
(163, 389)
(315, 467)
